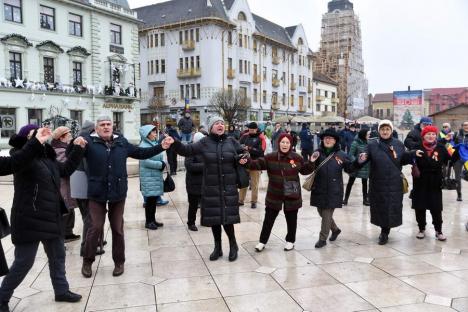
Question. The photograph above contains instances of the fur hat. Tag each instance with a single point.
(330, 132)
(252, 125)
(385, 122)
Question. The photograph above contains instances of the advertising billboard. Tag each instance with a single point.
(407, 108)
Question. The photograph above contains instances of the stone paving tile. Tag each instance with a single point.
(169, 268)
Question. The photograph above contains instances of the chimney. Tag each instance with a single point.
(409, 88)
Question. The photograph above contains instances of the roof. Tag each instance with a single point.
(342, 5)
(122, 3)
(325, 79)
(447, 91)
(291, 30)
(382, 97)
(229, 3)
(450, 108)
(175, 11)
(272, 30)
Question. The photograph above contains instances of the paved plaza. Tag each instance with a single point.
(168, 269)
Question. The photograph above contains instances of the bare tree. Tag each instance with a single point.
(157, 104)
(230, 104)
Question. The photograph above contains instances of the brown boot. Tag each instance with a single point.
(86, 270)
(118, 270)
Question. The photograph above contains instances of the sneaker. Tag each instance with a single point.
(289, 246)
(420, 235)
(72, 237)
(334, 235)
(259, 247)
(441, 237)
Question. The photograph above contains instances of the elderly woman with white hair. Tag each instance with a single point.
(386, 155)
(219, 190)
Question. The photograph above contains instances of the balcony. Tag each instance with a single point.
(257, 78)
(188, 45)
(293, 86)
(320, 98)
(276, 60)
(275, 82)
(231, 73)
(302, 109)
(310, 89)
(335, 100)
(275, 104)
(188, 72)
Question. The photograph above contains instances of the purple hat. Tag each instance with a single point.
(24, 131)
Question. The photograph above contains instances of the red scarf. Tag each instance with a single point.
(429, 147)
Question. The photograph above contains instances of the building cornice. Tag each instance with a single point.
(104, 11)
(198, 21)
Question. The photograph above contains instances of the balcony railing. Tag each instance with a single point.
(188, 45)
(275, 82)
(293, 86)
(335, 100)
(231, 73)
(320, 98)
(257, 78)
(302, 109)
(188, 72)
(276, 60)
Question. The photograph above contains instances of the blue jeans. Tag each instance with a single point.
(187, 137)
(25, 254)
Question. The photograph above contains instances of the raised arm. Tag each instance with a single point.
(257, 164)
(21, 158)
(188, 149)
(148, 152)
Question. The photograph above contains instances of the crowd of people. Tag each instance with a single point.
(55, 173)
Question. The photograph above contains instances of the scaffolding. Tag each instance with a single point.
(340, 58)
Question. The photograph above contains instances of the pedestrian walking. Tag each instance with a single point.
(151, 176)
(427, 194)
(358, 147)
(193, 183)
(220, 197)
(327, 189)
(284, 191)
(36, 214)
(106, 155)
(252, 144)
(387, 155)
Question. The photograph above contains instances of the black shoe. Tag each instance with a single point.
(383, 238)
(365, 201)
(253, 205)
(345, 202)
(459, 198)
(334, 235)
(159, 224)
(144, 205)
(320, 243)
(100, 251)
(71, 238)
(217, 251)
(241, 204)
(118, 270)
(192, 227)
(233, 249)
(104, 243)
(151, 226)
(86, 270)
(68, 297)
(4, 307)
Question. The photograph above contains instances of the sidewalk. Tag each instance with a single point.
(168, 269)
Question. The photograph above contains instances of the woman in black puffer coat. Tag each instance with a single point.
(220, 196)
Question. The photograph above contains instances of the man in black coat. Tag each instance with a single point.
(252, 144)
(186, 127)
(36, 215)
(106, 155)
(413, 139)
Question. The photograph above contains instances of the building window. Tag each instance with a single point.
(230, 37)
(35, 116)
(156, 40)
(192, 87)
(181, 37)
(152, 67)
(163, 40)
(163, 66)
(75, 25)
(77, 115)
(292, 101)
(77, 73)
(255, 95)
(47, 18)
(198, 61)
(264, 73)
(229, 63)
(240, 66)
(317, 108)
(283, 99)
(115, 34)
(333, 95)
(197, 34)
(326, 93)
(241, 16)
(8, 122)
(255, 45)
(181, 92)
(181, 63)
(117, 117)
(187, 91)
(264, 96)
(240, 40)
(12, 11)
(16, 67)
(49, 70)
(333, 109)
(157, 66)
(308, 102)
(198, 91)
(192, 62)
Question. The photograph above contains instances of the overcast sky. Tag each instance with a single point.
(421, 43)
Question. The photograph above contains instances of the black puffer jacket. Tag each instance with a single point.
(194, 176)
(385, 182)
(220, 196)
(413, 139)
(327, 190)
(37, 204)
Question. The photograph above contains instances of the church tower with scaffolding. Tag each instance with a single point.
(340, 57)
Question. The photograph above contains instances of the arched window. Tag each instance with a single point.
(300, 41)
(241, 16)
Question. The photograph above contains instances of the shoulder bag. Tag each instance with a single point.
(291, 189)
(168, 185)
(310, 179)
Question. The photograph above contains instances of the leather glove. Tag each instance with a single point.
(163, 166)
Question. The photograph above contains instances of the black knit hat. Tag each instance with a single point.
(252, 125)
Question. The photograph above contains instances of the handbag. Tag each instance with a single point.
(291, 189)
(448, 182)
(169, 185)
(5, 228)
(415, 172)
(310, 179)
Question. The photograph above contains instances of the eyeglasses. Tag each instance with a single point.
(445, 126)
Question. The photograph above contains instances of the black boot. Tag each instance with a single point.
(233, 249)
(459, 196)
(365, 201)
(383, 238)
(4, 307)
(217, 251)
(345, 201)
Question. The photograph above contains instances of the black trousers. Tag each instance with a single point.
(269, 221)
(193, 200)
(172, 160)
(84, 210)
(228, 228)
(436, 219)
(69, 222)
(350, 186)
(150, 209)
(385, 230)
(25, 255)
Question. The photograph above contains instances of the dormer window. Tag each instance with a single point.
(241, 16)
